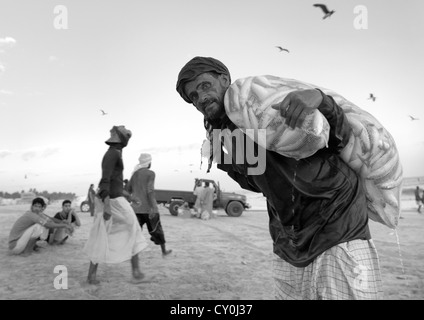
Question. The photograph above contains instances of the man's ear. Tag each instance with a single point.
(224, 79)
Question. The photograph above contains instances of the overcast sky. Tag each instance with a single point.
(63, 61)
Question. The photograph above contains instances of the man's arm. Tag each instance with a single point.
(298, 104)
(52, 225)
(54, 219)
(244, 181)
(151, 193)
(109, 161)
(77, 219)
(340, 129)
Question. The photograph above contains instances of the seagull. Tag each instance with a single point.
(281, 49)
(103, 113)
(372, 97)
(327, 13)
(413, 118)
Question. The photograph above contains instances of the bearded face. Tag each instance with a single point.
(207, 92)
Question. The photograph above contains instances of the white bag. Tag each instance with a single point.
(371, 150)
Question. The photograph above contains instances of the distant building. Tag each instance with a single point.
(26, 197)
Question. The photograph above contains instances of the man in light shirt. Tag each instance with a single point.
(32, 226)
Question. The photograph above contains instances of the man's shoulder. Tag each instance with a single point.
(146, 172)
(112, 152)
(27, 215)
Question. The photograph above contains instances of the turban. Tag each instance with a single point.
(118, 134)
(195, 67)
(143, 161)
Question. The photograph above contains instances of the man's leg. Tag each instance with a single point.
(164, 251)
(349, 271)
(157, 235)
(141, 219)
(91, 209)
(27, 242)
(29, 247)
(92, 273)
(135, 267)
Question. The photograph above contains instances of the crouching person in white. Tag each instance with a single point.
(32, 226)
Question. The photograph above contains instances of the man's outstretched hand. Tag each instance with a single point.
(297, 105)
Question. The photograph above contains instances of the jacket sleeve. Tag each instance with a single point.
(108, 164)
(340, 128)
(244, 181)
(151, 193)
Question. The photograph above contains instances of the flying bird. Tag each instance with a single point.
(327, 13)
(372, 97)
(103, 113)
(413, 118)
(281, 49)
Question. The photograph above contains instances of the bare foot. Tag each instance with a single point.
(25, 254)
(138, 275)
(142, 279)
(37, 248)
(93, 281)
(167, 252)
(63, 241)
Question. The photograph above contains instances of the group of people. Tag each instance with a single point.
(203, 205)
(119, 215)
(34, 225)
(205, 196)
(419, 198)
(317, 206)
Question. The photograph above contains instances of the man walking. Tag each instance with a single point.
(141, 187)
(115, 235)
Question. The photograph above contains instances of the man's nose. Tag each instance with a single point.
(203, 100)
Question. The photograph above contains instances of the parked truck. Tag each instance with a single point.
(234, 204)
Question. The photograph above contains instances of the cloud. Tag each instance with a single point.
(5, 153)
(28, 155)
(49, 151)
(172, 149)
(7, 41)
(2, 68)
(5, 92)
(43, 153)
(53, 58)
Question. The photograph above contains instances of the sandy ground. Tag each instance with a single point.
(224, 258)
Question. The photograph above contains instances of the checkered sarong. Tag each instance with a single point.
(348, 271)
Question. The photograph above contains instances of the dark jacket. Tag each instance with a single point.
(314, 203)
(112, 181)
